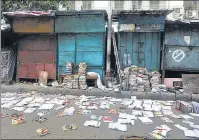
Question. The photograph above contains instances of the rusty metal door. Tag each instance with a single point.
(37, 53)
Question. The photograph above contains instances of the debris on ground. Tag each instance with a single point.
(42, 131)
(69, 111)
(113, 111)
(145, 120)
(84, 112)
(55, 84)
(29, 110)
(186, 117)
(160, 132)
(46, 106)
(59, 107)
(69, 127)
(95, 117)
(4, 115)
(40, 119)
(180, 127)
(191, 133)
(117, 126)
(140, 110)
(166, 120)
(18, 119)
(124, 137)
(158, 114)
(107, 119)
(92, 123)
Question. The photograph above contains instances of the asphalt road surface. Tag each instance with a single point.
(54, 124)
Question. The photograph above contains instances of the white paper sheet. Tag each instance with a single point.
(167, 112)
(190, 133)
(148, 114)
(29, 110)
(127, 116)
(92, 107)
(186, 117)
(137, 112)
(145, 120)
(188, 122)
(194, 114)
(18, 108)
(69, 111)
(166, 107)
(123, 121)
(92, 123)
(40, 114)
(34, 104)
(46, 106)
(180, 127)
(126, 102)
(116, 100)
(118, 126)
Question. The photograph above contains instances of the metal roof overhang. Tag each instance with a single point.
(117, 13)
(82, 12)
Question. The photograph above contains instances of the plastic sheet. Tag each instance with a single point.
(8, 57)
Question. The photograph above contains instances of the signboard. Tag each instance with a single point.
(127, 27)
(139, 28)
(147, 27)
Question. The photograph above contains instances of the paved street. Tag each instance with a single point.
(54, 124)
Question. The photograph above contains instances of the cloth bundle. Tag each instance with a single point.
(195, 107)
(184, 107)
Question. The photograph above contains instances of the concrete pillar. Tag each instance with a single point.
(108, 57)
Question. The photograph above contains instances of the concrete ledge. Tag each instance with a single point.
(97, 92)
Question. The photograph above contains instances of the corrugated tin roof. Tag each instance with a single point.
(117, 13)
(28, 14)
(133, 12)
